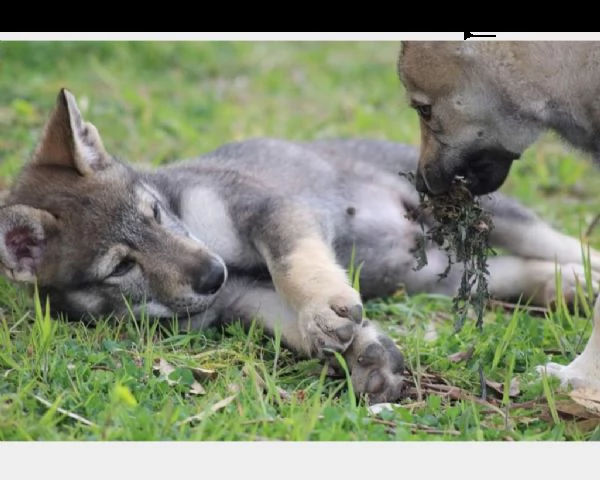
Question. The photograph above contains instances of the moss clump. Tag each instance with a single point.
(462, 229)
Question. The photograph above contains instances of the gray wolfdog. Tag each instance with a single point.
(260, 229)
(481, 104)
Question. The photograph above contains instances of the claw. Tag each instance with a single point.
(354, 313)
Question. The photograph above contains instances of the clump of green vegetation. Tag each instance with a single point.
(461, 228)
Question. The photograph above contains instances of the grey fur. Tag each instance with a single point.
(489, 101)
(258, 229)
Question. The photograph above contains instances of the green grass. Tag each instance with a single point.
(156, 102)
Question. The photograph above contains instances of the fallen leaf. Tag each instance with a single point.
(588, 398)
(579, 408)
(498, 387)
(203, 374)
(214, 408)
(524, 420)
(514, 387)
(377, 408)
(197, 389)
(165, 370)
(583, 426)
(462, 356)
(495, 386)
(571, 409)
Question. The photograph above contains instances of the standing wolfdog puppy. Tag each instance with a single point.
(481, 104)
(260, 229)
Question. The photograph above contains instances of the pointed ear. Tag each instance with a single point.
(69, 141)
(23, 234)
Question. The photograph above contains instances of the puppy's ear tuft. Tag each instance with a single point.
(69, 141)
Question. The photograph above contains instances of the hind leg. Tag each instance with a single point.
(510, 278)
(382, 239)
(388, 264)
(518, 230)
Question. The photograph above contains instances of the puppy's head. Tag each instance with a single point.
(469, 126)
(94, 236)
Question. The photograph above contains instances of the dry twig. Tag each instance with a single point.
(72, 415)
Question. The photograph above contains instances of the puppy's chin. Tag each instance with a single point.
(152, 309)
(157, 310)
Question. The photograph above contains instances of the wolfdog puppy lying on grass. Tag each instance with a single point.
(260, 229)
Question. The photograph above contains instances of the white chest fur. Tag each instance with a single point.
(206, 216)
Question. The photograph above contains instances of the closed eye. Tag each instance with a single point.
(424, 110)
(123, 267)
(156, 212)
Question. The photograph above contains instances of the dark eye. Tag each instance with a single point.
(424, 111)
(156, 212)
(123, 267)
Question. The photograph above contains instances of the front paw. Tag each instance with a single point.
(570, 376)
(584, 370)
(330, 324)
(376, 365)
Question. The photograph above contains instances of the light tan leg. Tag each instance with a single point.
(584, 371)
(317, 289)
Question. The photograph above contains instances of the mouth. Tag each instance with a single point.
(484, 171)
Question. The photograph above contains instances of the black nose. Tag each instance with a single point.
(211, 279)
(488, 169)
